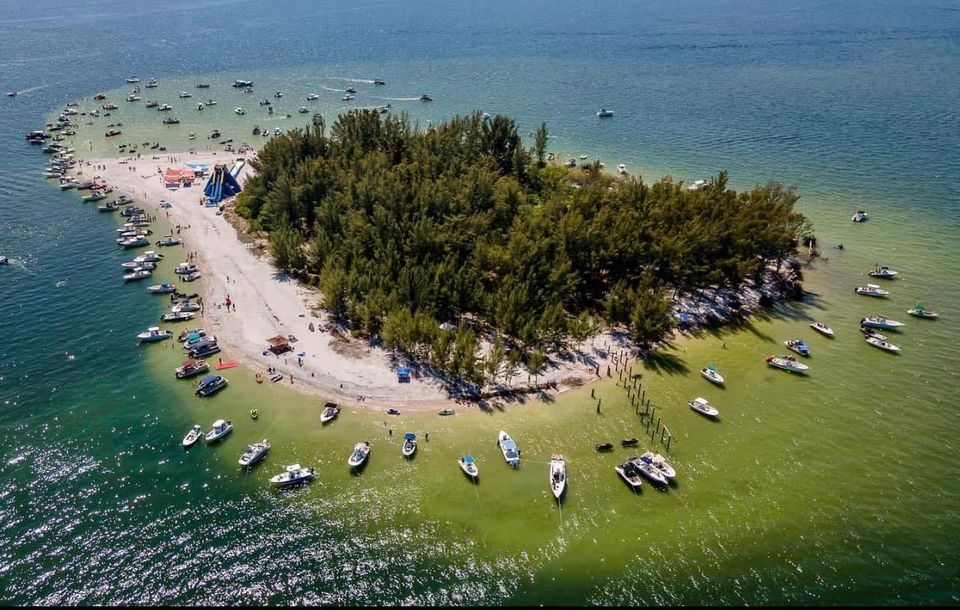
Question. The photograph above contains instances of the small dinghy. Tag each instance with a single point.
(604, 447)
(629, 442)
(295, 473)
(880, 342)
(409, 444)
(469, 466)
(860, 216)
(192, 436)
(509, 449)
(823, 329)
(221, 428)
(254, 453)
(798, 346)
(558, 475)
(330, 411)
(710, 373)
(920, 311)
(700, 405)
(360, 453)
(629, 472)
(660, 463)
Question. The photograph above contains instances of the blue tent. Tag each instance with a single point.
(403, 374)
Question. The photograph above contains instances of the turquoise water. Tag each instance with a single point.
(836, 488)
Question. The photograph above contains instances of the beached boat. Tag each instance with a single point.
(170, 240)
(798, 346)
(177, 316)
(192, 436)
(469, 466)
(787, 363)
(137, 274)
(860, 216)
(211, 384)
(660, 463)
(359, 454)
(447, 412)
(186, 306)
(295, 473)
(509, 449)
(161, 288)
(881, 322)
(189, 368)
(192, 277)
(920, 311)
(330, 411)
(108, 207)
(558, 475)
(880, 342)
(604, 113)
(221, 428)
(629, 472)
(254, 453)
(621, 169)
(202, 351)
(195, 340)
(883, 272)
(700, 405)
(134, 242)
(94, 196)
(192, 334)
(710, 373)
(149, 257)
(872, 290)
(153, 334)
(823, 329)
(409, 445)
(392, 411)
(184, 268)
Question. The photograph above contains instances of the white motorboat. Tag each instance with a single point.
(170, 240)
(629, 472)
(469, 466)
(881, 322)
(603, 113)
(133, 79)
(177, 316)
(872, 290)
(164, 107)
(312, 96)
(191, 277)
(787, 363)
(185, 306)
(161, 288)
(185, 94)
(185, 268)
(191, 367)
(798, 346)
(883, 272)
(137, 274)
(221, 428)
(409, 444)
(920, 311)
(622, 169)
(700, 405)
(509, 449)
(295, 473)
(254, 453)
(149, 257)
(660, 463)
(133, 98)
(710, 373)
(153, 334)
(558, 475)
(359, 455)
(238, 111)
(210, 384)
(823, 329)
(881, 342)
(134, 242)
(650, 471)
(330, 411)
(192, 436)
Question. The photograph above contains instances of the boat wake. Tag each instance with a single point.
(396, 99)
(368, 81)
(332, 89)
(37, 88)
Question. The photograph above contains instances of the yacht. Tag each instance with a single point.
(920, 311)
(872, 290)
(210, 384)
(359, 455)
(558, 475)
(192, 436)
(191, 367)
(860, 216)
(881, 322)
(469, 466)
(883, 272)
(710, 373)
(798, 346)
(254, 453)
(629, 472)
(295, 473)
(881, 342)
(350, 90)
(509, 448)
(823, 329)
(787, 363)
(221, 428)
(603, 113)
(700, 405)
(153, 334)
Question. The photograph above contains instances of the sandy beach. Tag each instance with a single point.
(268, 303)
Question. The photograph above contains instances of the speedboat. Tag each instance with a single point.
(798, 346)
(151, 104)
(348, 97)
(312, 96)
(660, 463)
(509, 448)
(603, 113)
(377, 81)
(860, 216)
(921, 312)
(330, 410)
(350, 90)
(177, 316)
(277, 95)
(153, 334)
(137, 274)
(170, 120)
(469, 466)
(650, 471)
(700, 405)
(189, 368)
(133, 98)
(190, 277)
(170, 240)
(710, 373)
(134, 242)
(221, 428)
(164, 107)
(242, 84)
(210, 384)
(186, 306)
(872, 290)
(425, 98)
(94, 196)
(151, 83)
(192, 436)
(295, 473)
(161, 288)
(787, 363)
(629, 472)
(558, 475)
(409, 444)
(823, 329)
(883, 272)
(133, 79)
(185, 94)
(238, 110)
(254, 453)
(877, 341)
(360, 453)
(185, 268)
(881, 322)
(621, 168)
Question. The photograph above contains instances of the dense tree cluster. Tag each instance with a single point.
(408, 228)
